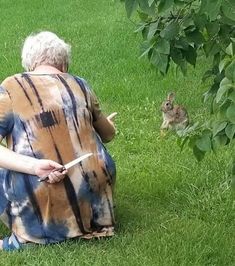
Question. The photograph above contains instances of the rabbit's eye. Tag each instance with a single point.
(167, 104)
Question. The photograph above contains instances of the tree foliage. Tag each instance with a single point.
(174, 32)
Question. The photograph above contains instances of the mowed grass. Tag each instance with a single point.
(170, 210)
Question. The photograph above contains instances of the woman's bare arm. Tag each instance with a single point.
(29, 165)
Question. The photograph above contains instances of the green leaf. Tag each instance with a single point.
(150, 2)
(191, 55)
(179, 2)
(152, 29)
(145, 32)
(211, 48)
(228, 8)
(230, 71)
(161, 61)
(182, 43)
(213, 89)
(131, 6)
(177, 57)
(195, 37)
(217, 59)
(231, 96)
(226, 20)
(219, 140)
(211, 8)
(163, 46)
(225, 81)
(221, 91)
(212, 28)
(192, 141)
(145, 47)
(170, 31)
(218, 127)
(225, 31)
(223, 109)
(230, 131)
(164, 5)
(189, 129)
(144, 5)
(229, 49)
(204, 143)
(143, 16)
(141, 26)
(198, 153)
(231, 113)
(223, 64)
(207, 74)
(200, 20)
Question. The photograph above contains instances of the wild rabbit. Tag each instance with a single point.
(174, 117)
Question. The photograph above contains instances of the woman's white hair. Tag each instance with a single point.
(45, 48)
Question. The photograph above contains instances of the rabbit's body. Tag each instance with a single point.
(174, 117)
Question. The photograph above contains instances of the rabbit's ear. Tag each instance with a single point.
(171, 97)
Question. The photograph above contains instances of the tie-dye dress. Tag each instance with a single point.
(51, 116)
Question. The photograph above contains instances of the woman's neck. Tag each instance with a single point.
(46, 69)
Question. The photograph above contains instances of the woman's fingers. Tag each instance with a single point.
(56, 176)
(54, 164)
(49, 170)
(44, 167)
(111, 116)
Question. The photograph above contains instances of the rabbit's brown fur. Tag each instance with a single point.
(174, 117)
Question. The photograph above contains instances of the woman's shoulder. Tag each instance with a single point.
(82, 82)
(11, 80)
(79, 79)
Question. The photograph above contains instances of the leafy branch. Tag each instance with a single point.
(174, 31)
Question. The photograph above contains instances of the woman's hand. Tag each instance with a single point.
(111, 117)
(30, 165)
(48, 168)
(105, 127)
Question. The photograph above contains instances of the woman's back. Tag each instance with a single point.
(51, 116)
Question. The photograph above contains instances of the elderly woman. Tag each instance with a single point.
(49, 118)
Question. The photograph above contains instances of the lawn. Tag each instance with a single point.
(170, 210)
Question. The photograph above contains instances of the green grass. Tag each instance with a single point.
(170, 210)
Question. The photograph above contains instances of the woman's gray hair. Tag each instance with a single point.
(45, 48)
